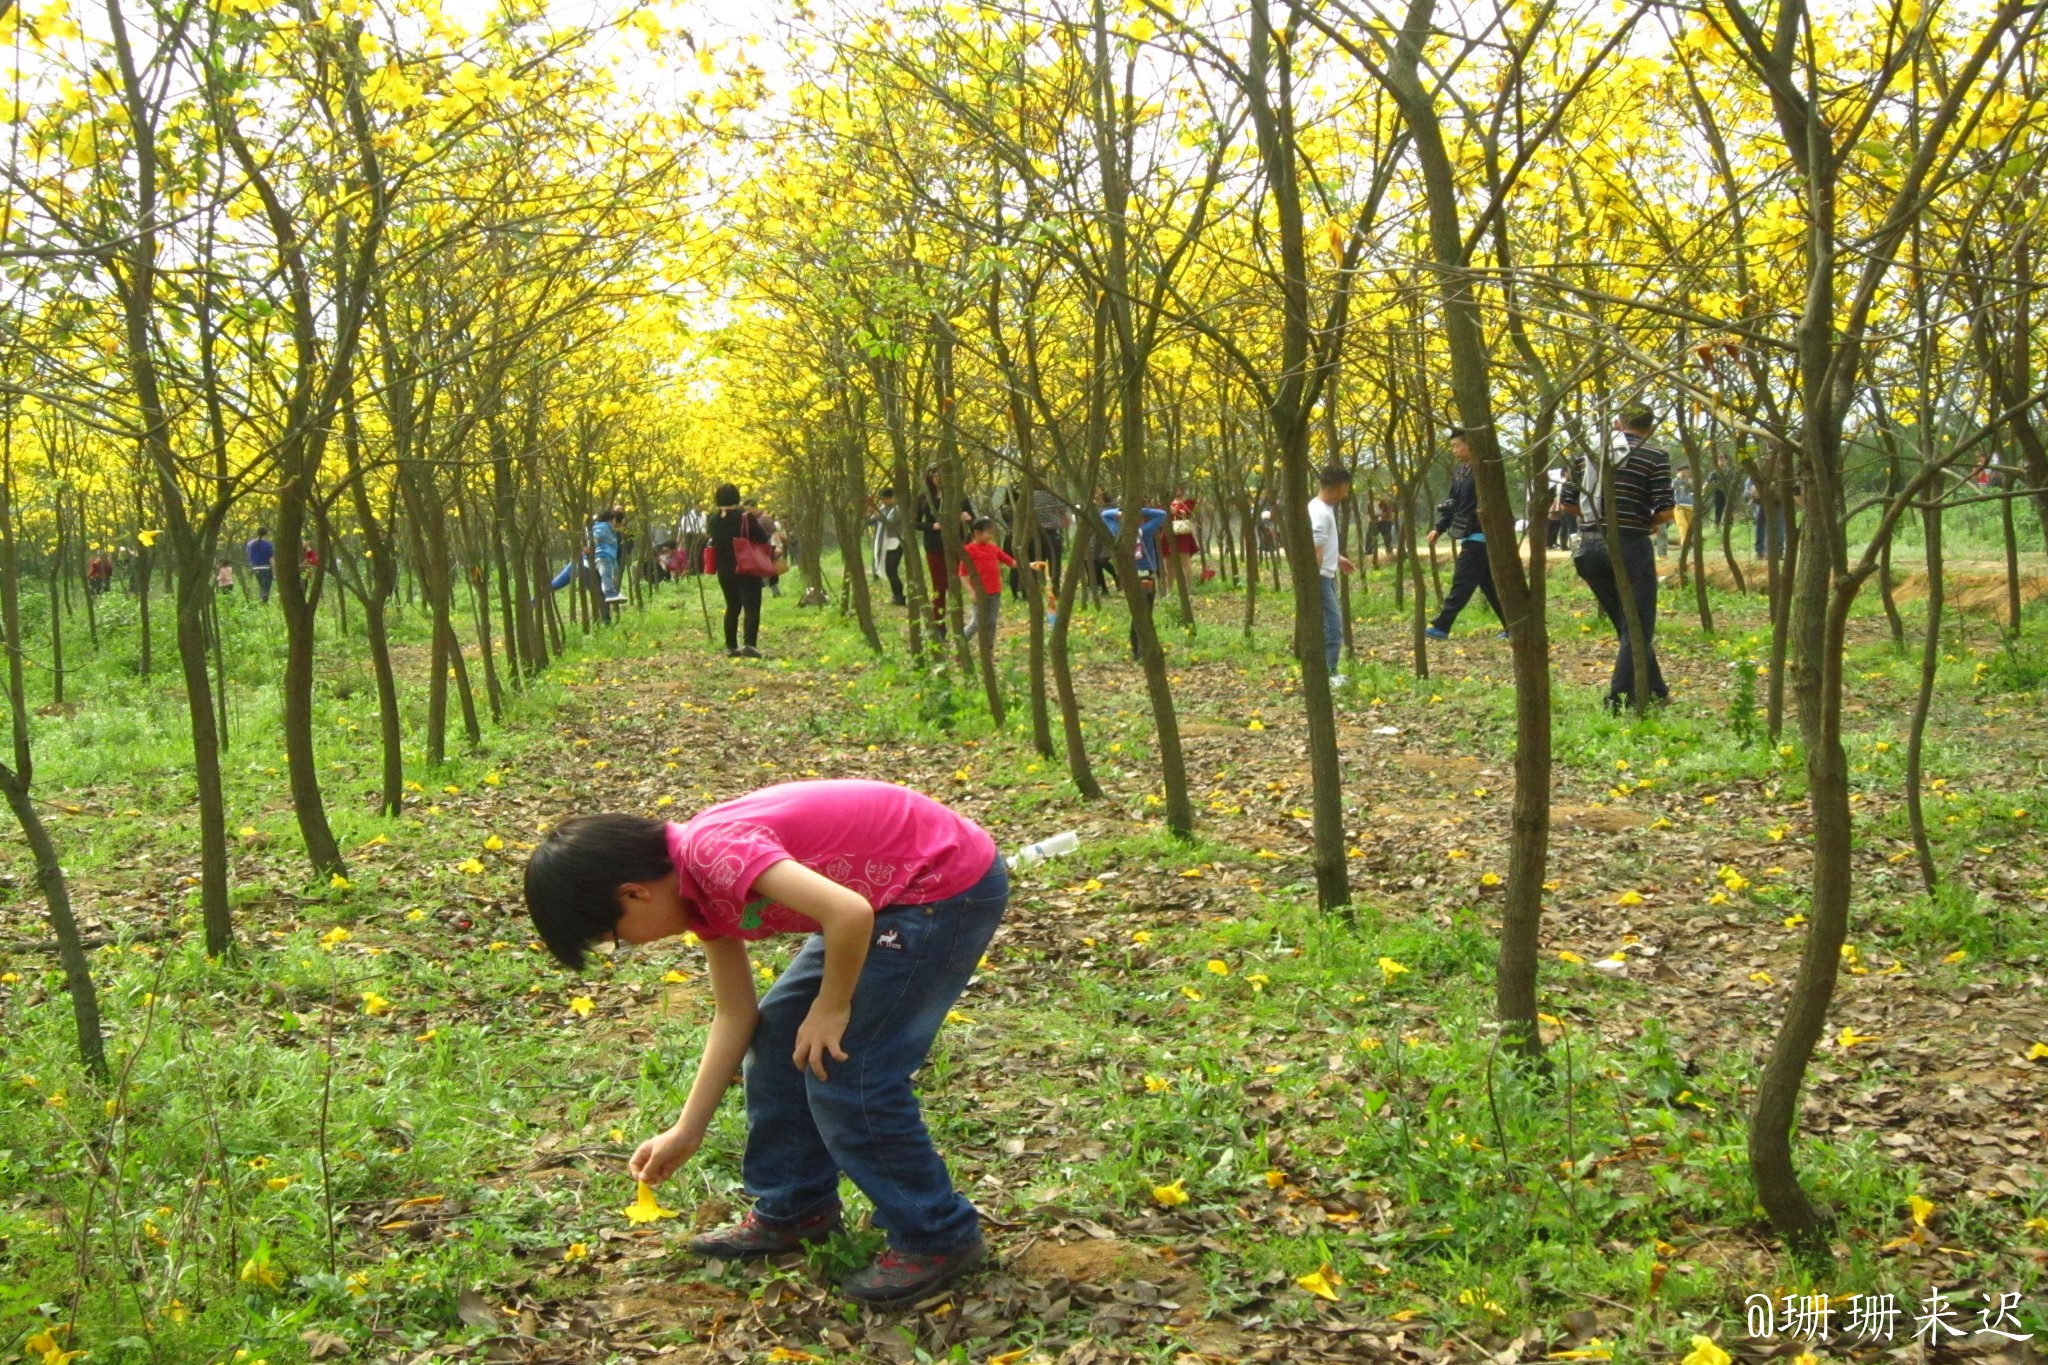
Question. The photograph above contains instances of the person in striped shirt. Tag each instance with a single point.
(1621, 496)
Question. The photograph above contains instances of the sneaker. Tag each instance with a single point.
(752, 1237)
(732, 654)
(1503, 636)
(1435, 634)
(616, 598)
(1336, 681)
(905, 1276)
(750, 653)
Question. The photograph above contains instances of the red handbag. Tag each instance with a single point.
(709, 559)
(750, 558)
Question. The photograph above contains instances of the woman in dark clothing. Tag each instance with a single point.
(730, 522)
(933, 530)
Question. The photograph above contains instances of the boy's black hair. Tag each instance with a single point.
(262, 531)
(1335, 476)
(983, 524)
(728, 495)
(573, 878)
(1638, 418)
(889, 492)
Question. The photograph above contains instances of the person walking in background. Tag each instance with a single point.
(1471, 571)
(1381, 532)
(1144, 560)
(1181, 542)
(1681, 508)
(1335, 486)
(690, 537)
(934, 531)
(889, 544)
(224, 577)
(1621, 497)
(1563, 525)
(1051, 516)
(262, 559)
(604, 552)
(728, 524)
(99, 573)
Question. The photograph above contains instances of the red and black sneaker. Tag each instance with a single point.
(752, 1236)
(906, 1276)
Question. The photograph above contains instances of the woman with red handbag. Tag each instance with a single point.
(742, 561)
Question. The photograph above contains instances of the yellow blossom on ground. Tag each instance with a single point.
(1628, 898)
(1321, 1283)
(1849, 1038)
(576, 1251)
(1705, 1352)
(581, 1006)
(374, 1003)
(673, 977)
(1170, 1196)
(339, 882)
(1155, 1084)
(1190, 992)
(469, 867)
(493, 844)
(1762, 978)
(1957, 956)
(1567, 955)
(645, 1208)
(1489, 879)
(1389, 969)
(1218, 967)
(1275, 1179)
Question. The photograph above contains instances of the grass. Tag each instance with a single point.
(390, 1102)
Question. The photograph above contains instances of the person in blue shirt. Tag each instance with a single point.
(262, 556)
(604, 548)
(1146, 557)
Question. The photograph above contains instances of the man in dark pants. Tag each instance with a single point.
(1622, 496)
(1460, 517)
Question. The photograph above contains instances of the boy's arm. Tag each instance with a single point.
(732, 1030)
(846, 920)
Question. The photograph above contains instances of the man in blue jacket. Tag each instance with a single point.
(262, 557)
(1146, 558)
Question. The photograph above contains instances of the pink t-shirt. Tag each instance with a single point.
(892, 845)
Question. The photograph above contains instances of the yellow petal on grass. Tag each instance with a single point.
(673, 978)
(576, 1251)
(1567, 955)
(1628, 898)
(1321, 1283)
(469, 867)
(1957, 956)
(581, 1006)
(1155, 1084)
(1762, 978)
(1170, 1196)
(1489, 879)
(1919, 1208)
(374, 1003)
(789, 1355)
(1218, 967)
(2038, 1053)
(493, 844)
(645, 1208)
(1849, 1038)
(1705, 1352)
(1389, 969)
(1275, 1179)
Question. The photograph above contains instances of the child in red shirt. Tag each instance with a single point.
(899, 897)
(988, 560)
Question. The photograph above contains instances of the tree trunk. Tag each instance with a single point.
(1923, 696)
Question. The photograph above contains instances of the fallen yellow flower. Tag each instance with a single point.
(1705, 1352)
(581, 1006)
(645, 1208)
(1170, 1196)
(1849, 1038)
(1389, 969)
(1321, 1283)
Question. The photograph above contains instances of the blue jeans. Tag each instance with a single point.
(803, 1132)
(1333, 624)
(608, 575)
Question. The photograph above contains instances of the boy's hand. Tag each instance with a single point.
(659, 1157)
(818, 1035)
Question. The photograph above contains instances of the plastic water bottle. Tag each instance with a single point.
(1033, 854)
